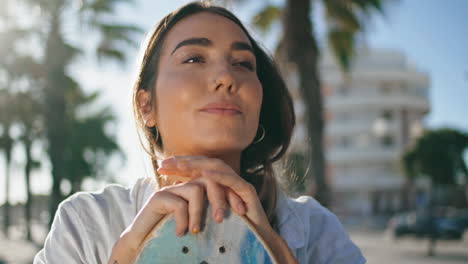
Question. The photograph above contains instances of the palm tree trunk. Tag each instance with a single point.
(301, 47)
(75, 187)
(433, 232)
(55, 110)
(27, 174)
(6, 206)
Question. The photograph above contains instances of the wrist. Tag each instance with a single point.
(123, 251)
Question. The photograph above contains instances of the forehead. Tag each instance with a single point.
(220, 30)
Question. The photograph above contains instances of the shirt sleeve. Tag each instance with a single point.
(328, 242)
(65, 241)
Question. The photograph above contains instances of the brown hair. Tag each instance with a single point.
(276, 114)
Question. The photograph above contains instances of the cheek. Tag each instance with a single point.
(254, 95)
(176, 94)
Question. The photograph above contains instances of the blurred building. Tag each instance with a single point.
(371, 115)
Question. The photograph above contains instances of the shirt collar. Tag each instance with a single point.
(290, 224)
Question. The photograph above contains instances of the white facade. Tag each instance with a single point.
(370, 117)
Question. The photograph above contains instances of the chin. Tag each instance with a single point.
(224, 145)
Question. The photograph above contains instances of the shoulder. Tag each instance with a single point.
(315, 231)
(296, 215)
(85, 216)
(113, 198)
(110, 196)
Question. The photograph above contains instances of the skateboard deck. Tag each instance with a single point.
(234, 240)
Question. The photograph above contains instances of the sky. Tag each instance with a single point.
(432, 35)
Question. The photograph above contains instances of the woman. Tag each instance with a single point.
(216, 115)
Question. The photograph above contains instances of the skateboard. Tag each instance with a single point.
(235, 240)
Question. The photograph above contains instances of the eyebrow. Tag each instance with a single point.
(204, 42)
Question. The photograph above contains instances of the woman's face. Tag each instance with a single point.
(207, 93)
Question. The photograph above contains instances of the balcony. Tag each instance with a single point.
(356, 155)
(357, 126)
(367, 182)
(378, 101)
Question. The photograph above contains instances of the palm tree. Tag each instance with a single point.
(6, 145)
(298, 48)
(29, 115)
(438, 155)
(59, 53)
(13, 66)
(90, 144)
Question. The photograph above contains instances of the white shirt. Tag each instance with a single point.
(87, 225)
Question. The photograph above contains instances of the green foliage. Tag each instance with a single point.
(342, 43)
(437, 154)
(89, 144)
(85, 143)
(344, 19)
(102, 6)
(266, 17)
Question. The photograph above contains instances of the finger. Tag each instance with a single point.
(180, 213)
(235, 202)
(194, 194)
(217, 198)
(192, 166)
(241, 187)
(196, 166)
(193, 163)
(161, 203)
(227, 178)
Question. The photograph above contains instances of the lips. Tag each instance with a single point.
(224, 108)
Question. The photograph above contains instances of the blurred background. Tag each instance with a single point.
(380, 90)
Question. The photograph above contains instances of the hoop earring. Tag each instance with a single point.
(157, 134)
(263, 135)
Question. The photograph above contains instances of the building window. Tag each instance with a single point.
(343, 117)
(404, 88)
(387, 141)
(344, 142)
(385, 87)
(387, 115)
(343, 90)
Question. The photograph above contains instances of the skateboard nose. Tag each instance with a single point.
(203, 262)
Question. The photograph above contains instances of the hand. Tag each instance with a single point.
(223, 186)
(185, 201)
(221, 181)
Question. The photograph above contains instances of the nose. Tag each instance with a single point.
(224, 79)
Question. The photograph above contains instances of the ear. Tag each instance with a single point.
(143, 99)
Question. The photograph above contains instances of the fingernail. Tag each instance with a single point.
(180, 233)
(195, 230)
(219, 215)
(168, 163)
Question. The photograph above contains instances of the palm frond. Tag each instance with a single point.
(341, 15)
(102, 6)
(119, 32)
(105, 51)
(342, 46)
(266, 17)
(368, 5)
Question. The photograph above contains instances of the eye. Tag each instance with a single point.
(194, 59)
(245, 64)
